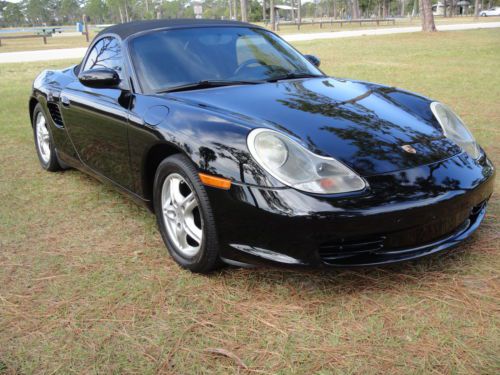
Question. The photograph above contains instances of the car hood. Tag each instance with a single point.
(364, 125)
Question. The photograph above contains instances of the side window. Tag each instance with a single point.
(106, 53)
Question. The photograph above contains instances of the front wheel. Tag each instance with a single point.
(43, 141)
(184, 215)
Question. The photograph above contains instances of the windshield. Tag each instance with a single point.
(171, 58)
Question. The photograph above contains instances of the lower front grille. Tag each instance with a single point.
(345, 248)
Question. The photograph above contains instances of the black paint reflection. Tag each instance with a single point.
(374, 137)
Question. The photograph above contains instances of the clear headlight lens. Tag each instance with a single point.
(295, 166)
(455, 129)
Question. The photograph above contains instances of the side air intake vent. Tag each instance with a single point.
(55, 113)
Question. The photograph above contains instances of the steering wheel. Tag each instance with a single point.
(246, 64)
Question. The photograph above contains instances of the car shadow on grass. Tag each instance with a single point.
(459, 260)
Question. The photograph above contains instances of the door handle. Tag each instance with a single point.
(65, 101)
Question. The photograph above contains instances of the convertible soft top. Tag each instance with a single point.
(124, 30)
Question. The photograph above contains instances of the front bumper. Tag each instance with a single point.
(404, 215)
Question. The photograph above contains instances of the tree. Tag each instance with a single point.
(12, 14)
(272, 15)
(244, 10)
(38, 11)
(96, 10)
(427, 16)
(69, 11)
(355, 9)
(476, 9)
(299, 13)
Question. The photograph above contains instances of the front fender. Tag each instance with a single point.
(215, 142)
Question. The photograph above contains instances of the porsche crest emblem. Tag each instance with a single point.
(409, 149)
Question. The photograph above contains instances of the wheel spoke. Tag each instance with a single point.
(175, 192)
(192, 230)
(180, 233)
(189, 203)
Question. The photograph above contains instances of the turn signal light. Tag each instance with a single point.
(213, 181)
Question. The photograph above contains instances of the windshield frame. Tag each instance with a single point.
(136, 77)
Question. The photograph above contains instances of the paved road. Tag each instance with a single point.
(75, 53)
(42, 55)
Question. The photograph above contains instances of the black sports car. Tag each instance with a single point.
(248, 153)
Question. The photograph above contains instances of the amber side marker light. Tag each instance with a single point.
(213, 181)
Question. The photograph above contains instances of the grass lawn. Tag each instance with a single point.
(35, 44)
(87, 286)
(15, 45)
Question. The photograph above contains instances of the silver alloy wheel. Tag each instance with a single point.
(42, 137)
(181, 215)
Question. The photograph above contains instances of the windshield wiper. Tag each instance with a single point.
(207, 84)
(294, 75)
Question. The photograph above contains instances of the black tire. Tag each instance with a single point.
(207, 258)
(51, 163)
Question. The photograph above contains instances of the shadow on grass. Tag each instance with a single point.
(340, 280)
(348, 280)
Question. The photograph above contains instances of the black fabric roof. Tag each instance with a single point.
(130, 28)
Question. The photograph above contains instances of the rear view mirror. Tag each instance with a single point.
(100, 78)
(313, 60)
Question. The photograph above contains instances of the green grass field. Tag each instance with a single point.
(87, 286)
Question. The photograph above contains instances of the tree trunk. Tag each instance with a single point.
(426, 16)
(244, 16)
(476, 9)
(299, 12)
(334, 9)
(235, 10)
(121, 14)
(272, 15)
(263, 10)
(355, 9)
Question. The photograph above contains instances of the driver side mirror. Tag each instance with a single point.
(313, 60)
(103, 78)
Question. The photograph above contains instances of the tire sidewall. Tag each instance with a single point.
(182, 165)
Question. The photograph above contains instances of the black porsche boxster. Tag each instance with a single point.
(248, 153)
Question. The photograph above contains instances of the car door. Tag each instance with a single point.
(97, 118)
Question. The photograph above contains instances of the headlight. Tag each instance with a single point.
(293, 165)
(454, 129)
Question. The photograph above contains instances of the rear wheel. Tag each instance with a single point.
(184, 215)
(43, 141)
